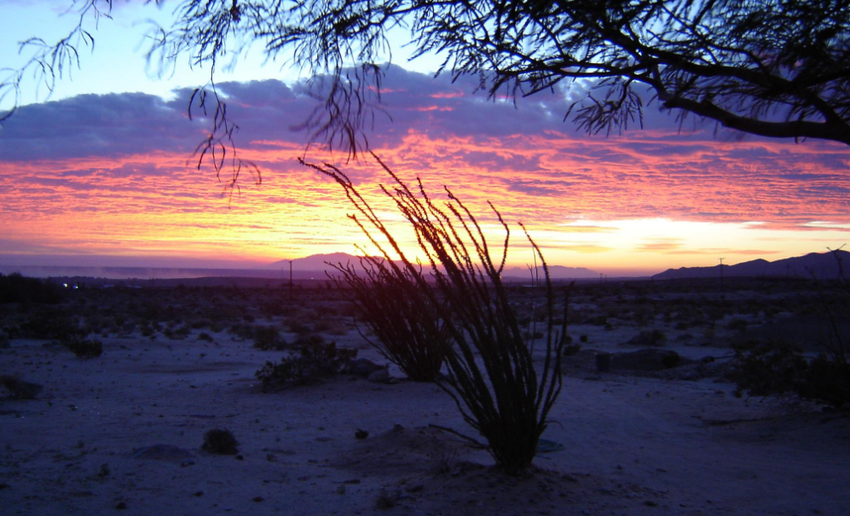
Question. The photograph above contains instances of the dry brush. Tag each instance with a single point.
(502, 389)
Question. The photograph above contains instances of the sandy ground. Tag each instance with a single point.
(631, 444)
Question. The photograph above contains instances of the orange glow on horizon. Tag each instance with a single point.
(618, 204)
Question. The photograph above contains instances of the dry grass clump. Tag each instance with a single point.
(308, 363)
(84, 348)
(220, 441)
(491, 372)
(268, 338)
(20, 389)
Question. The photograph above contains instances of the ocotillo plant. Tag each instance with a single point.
(410, 332)
(491, 373)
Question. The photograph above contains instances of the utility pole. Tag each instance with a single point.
(290, 280)
(721, 275)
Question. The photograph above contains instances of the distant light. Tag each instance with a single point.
(65, 285)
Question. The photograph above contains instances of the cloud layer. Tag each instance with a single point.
(114, 174)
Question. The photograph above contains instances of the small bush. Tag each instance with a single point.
(84, 348)
(648, 338)
(827, 380)
(768, 368)
(179, 333)
(268, 338)
(738, 325)
(20, 389)
(296, 326)
(306, 365)
(220, 442)
(198, 324)
(309, 340)
(243, 331)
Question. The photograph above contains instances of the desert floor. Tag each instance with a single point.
(122, 433)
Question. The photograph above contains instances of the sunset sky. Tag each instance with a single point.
(101, 171)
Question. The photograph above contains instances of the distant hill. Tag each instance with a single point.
(317, 264)
(556, 272)
(818, 265)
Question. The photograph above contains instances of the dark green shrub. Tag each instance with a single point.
(50, 325)
(648, 338)
(15, 288)
(243, 331)
(299, 327)
(197, 324)
(768, 368)
(307, 364)
(84, 348)
(827, 380)
(309, 340)
(268, 338)
(738, 325)
(179, 333)
(147, 329)
(220, 441)
(20, 389)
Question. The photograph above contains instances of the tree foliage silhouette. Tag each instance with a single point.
(776, 68)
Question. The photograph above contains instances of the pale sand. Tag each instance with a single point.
(632, 445)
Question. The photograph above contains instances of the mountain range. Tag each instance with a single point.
(318, 264)
(813, 265)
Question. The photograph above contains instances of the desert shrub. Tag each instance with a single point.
(491, 372)
(268, 338)
(220, 441)
(305, 365)
(597, 320)
(648, 338)
(50, 325)
(738, 325)
(409, 332)
(324, 325)
(16, 288)
(179, 333)
(828, 380)
(20, 389)
(571, 348)
(204, 336)
(198, 324)
(147, 329)
(297, 326)
(84, 348)
(777, 368)
(243, 331)
(309, 339)
(766, 368)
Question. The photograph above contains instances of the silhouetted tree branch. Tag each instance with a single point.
(777, 68)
